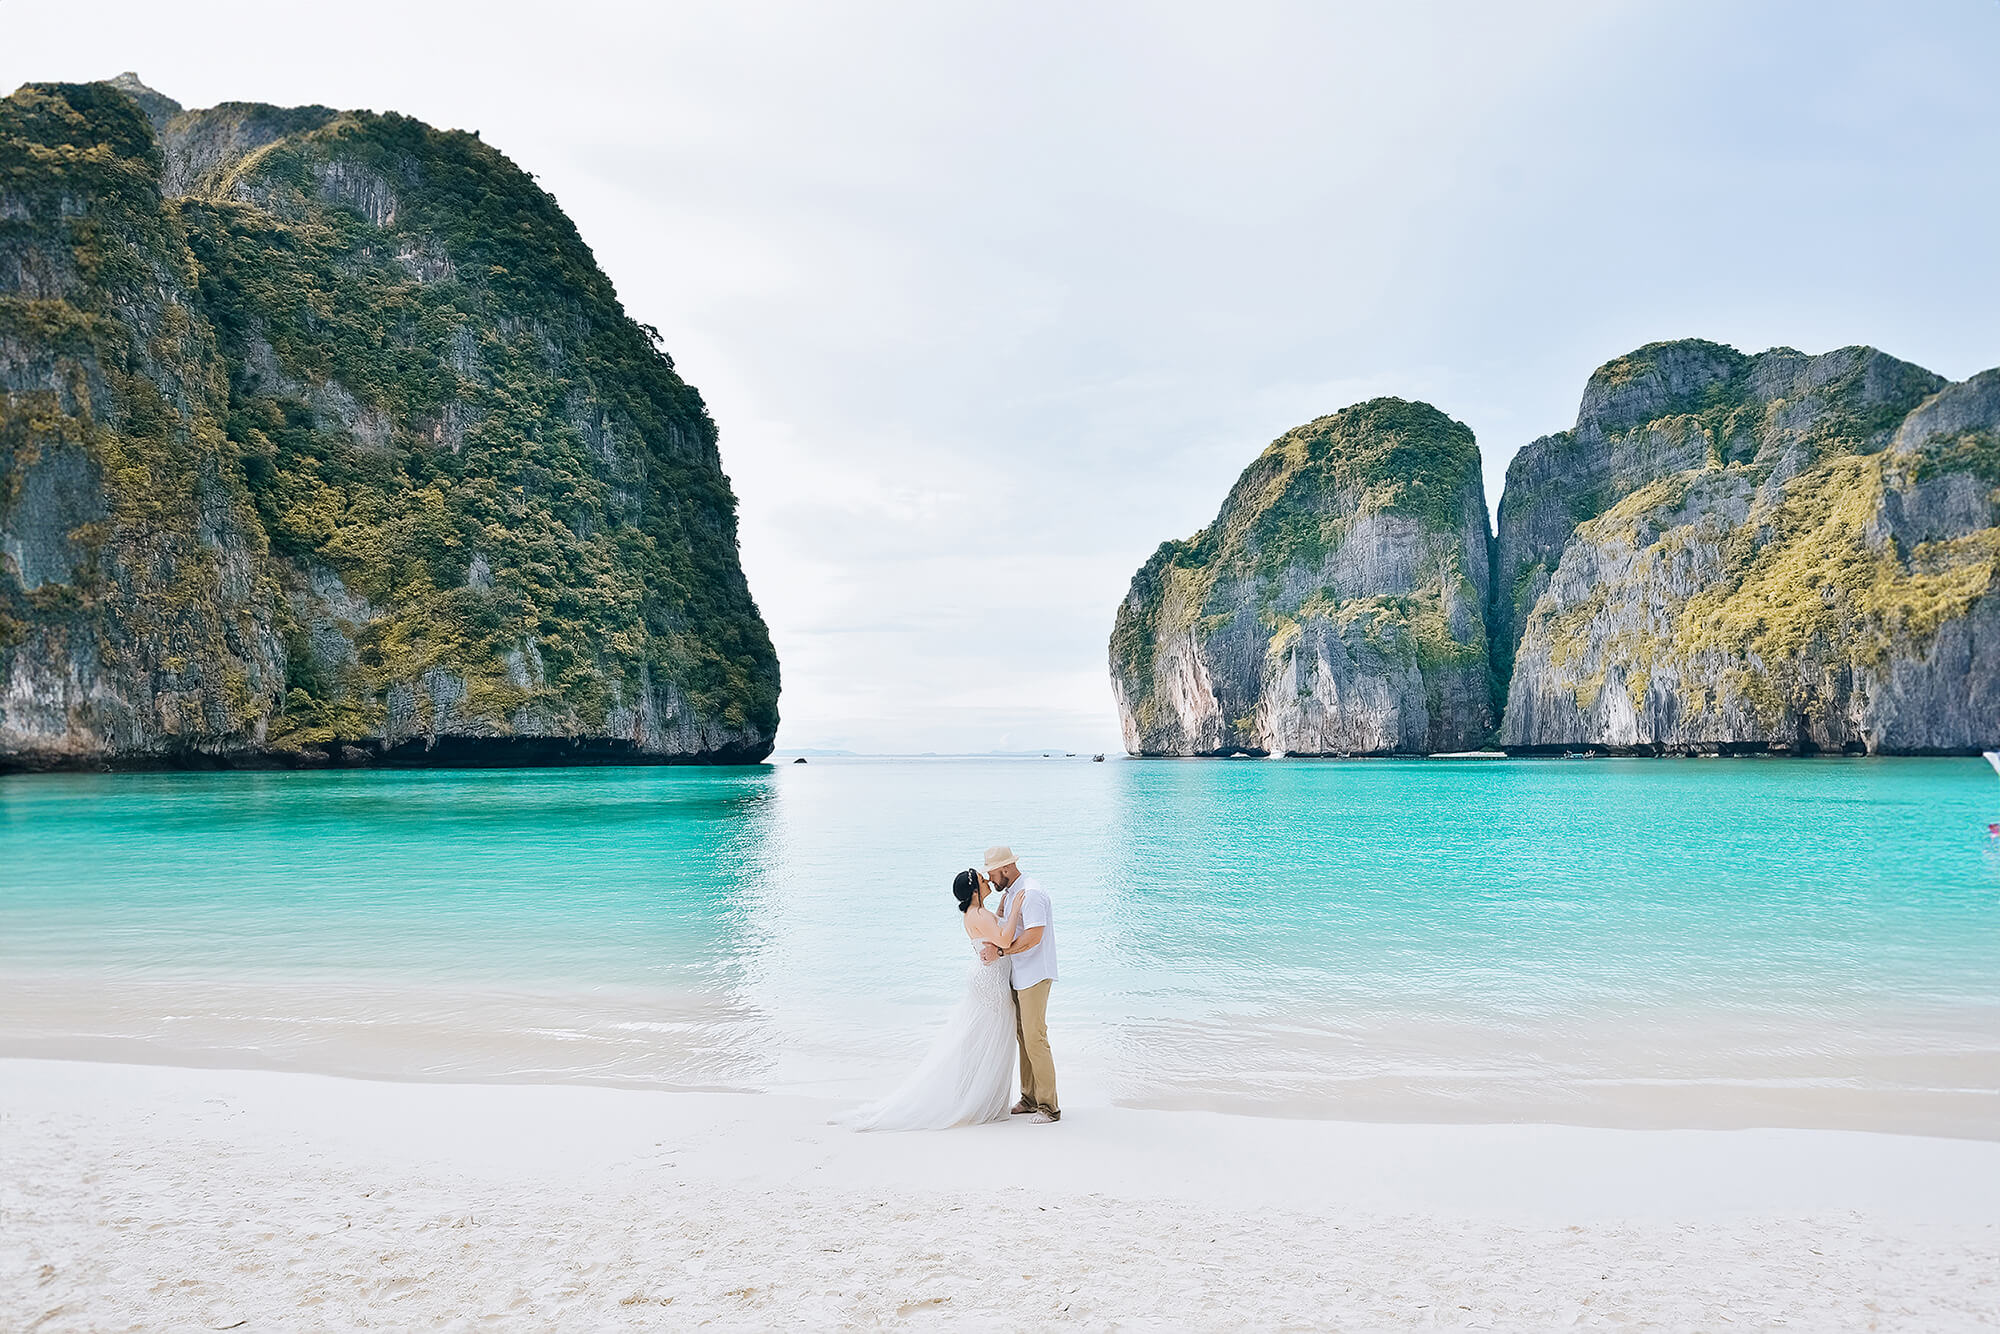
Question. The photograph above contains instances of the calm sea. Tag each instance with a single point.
(1667, 942)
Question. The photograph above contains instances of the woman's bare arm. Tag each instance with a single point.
(991, 928)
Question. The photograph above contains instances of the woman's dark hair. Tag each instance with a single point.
(965, 888)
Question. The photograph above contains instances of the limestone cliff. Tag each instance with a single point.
(1773, 552)
(323, 439)
(1334, 606)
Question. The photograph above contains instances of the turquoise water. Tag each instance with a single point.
(1621, 942)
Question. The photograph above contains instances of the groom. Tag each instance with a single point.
(1032, 957)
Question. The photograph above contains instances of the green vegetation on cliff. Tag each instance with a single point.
(458, 474)
(1771, 546)
(1285, 557)
(1800, 580)
(501, 364)
(1298, 500)
(113, 401)
(1726, 552)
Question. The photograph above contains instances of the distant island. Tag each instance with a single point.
(324, 441)
(1727, 553)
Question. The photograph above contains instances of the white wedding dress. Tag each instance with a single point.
(968, 1075)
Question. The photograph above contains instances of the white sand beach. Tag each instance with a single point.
(136, 1197)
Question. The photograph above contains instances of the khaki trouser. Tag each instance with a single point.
(1038, 1063)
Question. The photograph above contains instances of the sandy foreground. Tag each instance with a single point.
(166, 1198)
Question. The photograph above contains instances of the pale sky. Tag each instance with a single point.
(989, 300)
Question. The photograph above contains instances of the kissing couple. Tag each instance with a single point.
(968, 1075)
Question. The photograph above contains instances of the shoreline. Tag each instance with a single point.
(1701, 1069)
(1667, 1118)
(148, 1195)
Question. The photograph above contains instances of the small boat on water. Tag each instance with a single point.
(1993, 758)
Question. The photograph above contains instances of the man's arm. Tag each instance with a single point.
(1027, 940)
(1035, 919)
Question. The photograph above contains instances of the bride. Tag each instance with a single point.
(968, 1075)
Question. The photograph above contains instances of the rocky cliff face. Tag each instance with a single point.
(324, 440)
(1726, 553)
(1779, 552)
(1334, 606)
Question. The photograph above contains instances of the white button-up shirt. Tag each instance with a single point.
(1037, 964)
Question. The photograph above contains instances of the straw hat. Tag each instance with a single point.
(999, 857)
